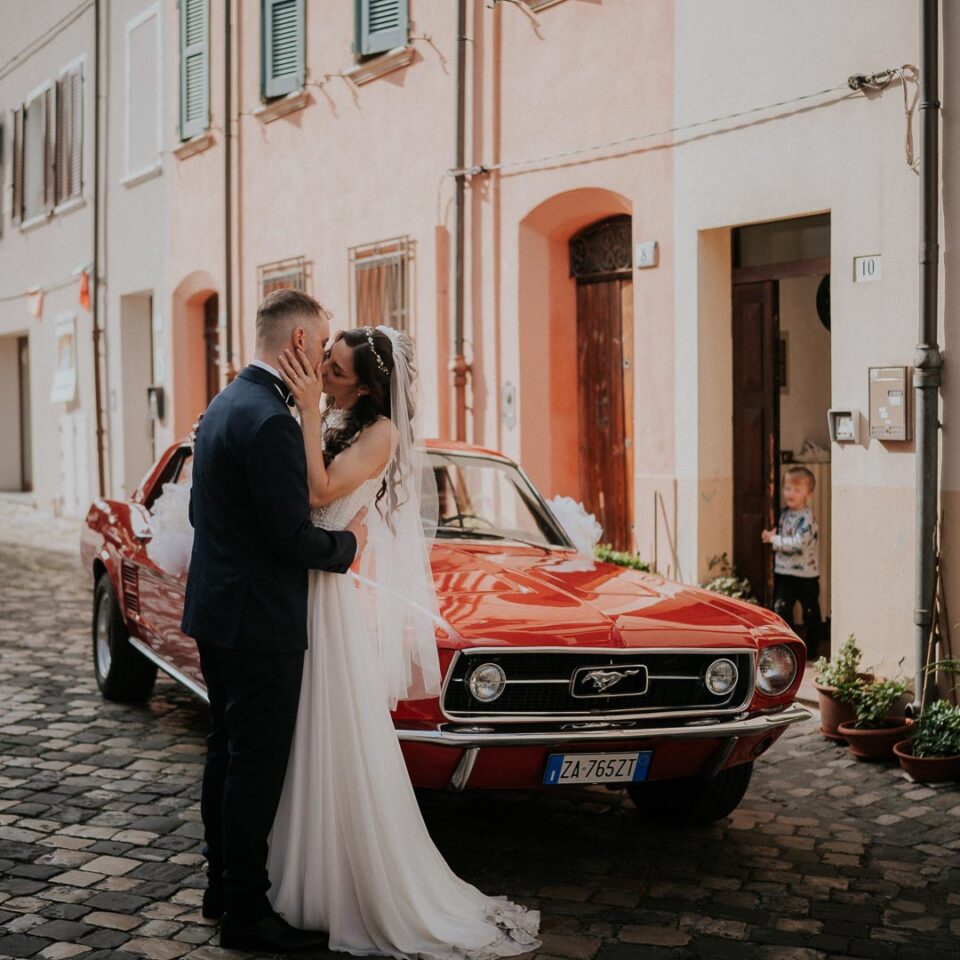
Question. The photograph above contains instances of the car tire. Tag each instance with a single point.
(693, 800)
(123, 674)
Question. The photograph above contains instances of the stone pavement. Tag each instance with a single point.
(99, 831)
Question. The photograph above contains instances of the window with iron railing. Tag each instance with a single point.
(381, 275)
(293, 273)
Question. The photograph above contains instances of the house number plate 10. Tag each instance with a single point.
(866, 269)
(563, 768)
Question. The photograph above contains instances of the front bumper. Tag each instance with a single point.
(457, 757)
(466, 736)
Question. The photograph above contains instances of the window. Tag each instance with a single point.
(292, 274)
(194, 67)
(381, 283)
(37, 155)
(283, 57)
(69, 138)
(142, 108)
(381, 25)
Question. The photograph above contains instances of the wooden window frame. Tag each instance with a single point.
(77, 67)
(367, 45)
(193, 128)
(272, 87)
(46, 95)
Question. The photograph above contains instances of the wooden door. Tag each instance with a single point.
(604, 342)
(756, 420)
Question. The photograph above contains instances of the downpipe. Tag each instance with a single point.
(928, 359)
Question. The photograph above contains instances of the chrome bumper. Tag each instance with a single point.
(694, 730)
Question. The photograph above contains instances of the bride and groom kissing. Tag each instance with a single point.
(311, 825)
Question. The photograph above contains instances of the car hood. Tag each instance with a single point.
(506, 594)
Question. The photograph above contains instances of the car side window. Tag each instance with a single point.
(179, 469)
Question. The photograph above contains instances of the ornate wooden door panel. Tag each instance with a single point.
(755, 429)
(604, 451)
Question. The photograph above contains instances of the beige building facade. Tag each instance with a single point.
(686, 241)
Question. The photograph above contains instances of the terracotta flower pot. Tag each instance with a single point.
(926, 769)
(833, 712)
(876, 744)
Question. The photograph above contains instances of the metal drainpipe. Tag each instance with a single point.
(459, 366)
(928, 360)
(95, 279)
(228, 187)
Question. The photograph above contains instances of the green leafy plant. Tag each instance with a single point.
(607, 554)
(937, 731)
(874, 701)
(726, 581)
(841, 672)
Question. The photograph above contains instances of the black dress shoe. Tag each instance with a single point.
(212, 903)
(267, 934)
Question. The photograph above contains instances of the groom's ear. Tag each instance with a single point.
(298, 337)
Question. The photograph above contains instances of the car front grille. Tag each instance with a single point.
(576, 683)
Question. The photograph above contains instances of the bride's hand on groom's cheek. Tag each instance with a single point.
(304, 382)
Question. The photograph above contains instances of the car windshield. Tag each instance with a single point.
(486, 499)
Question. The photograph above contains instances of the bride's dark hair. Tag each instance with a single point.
(375, 403)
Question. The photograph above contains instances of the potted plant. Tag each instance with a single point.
(836, 680)
(726, 581)
(874, 732)
(933, 755)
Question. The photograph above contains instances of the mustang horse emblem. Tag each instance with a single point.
(605, 679)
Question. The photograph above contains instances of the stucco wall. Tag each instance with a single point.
(847, 158)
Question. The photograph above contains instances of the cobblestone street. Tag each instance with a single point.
(99, 831)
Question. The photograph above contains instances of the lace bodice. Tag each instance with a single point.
(336, 515)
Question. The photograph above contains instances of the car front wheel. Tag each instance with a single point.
(123, 673)
(692, 801)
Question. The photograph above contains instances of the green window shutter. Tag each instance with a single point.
(381, 25)
(284, 62)
(194, 67)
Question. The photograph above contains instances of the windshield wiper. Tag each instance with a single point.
(467, 533)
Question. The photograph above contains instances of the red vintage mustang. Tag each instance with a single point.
(558, 669)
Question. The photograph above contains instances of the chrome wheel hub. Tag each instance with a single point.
(102, 639)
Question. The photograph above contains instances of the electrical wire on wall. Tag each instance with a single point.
(854, 86)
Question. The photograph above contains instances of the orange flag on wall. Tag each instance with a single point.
(85, 290)
(35, 298)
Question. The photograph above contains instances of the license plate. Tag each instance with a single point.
(564, 768)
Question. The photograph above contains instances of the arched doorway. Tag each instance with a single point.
(601, 263)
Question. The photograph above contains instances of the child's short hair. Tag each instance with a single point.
(801, 473)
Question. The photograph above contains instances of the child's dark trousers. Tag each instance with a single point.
(787, 590)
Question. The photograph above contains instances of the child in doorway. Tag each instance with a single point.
(796, 571)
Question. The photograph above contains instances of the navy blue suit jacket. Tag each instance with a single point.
(253, 541)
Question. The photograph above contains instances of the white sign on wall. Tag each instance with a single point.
(866, 269)
(65, 373)
(647, 254)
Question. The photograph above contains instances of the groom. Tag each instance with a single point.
(246, 606)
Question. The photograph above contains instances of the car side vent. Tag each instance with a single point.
(131, 587)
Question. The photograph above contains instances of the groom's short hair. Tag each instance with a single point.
(279, 312)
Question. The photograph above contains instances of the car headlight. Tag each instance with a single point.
(776, 669)
(487, 682)
(721, 677)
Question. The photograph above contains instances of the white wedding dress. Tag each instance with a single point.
(349, 851)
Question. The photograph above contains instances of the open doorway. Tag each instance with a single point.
(16, 465)
(136, 359)
(781, 388)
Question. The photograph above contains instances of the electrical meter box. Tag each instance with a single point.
(890, 389)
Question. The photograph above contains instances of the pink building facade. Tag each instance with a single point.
(686, 240)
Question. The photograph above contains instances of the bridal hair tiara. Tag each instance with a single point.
(376, 356)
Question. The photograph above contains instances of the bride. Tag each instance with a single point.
(349, 852)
